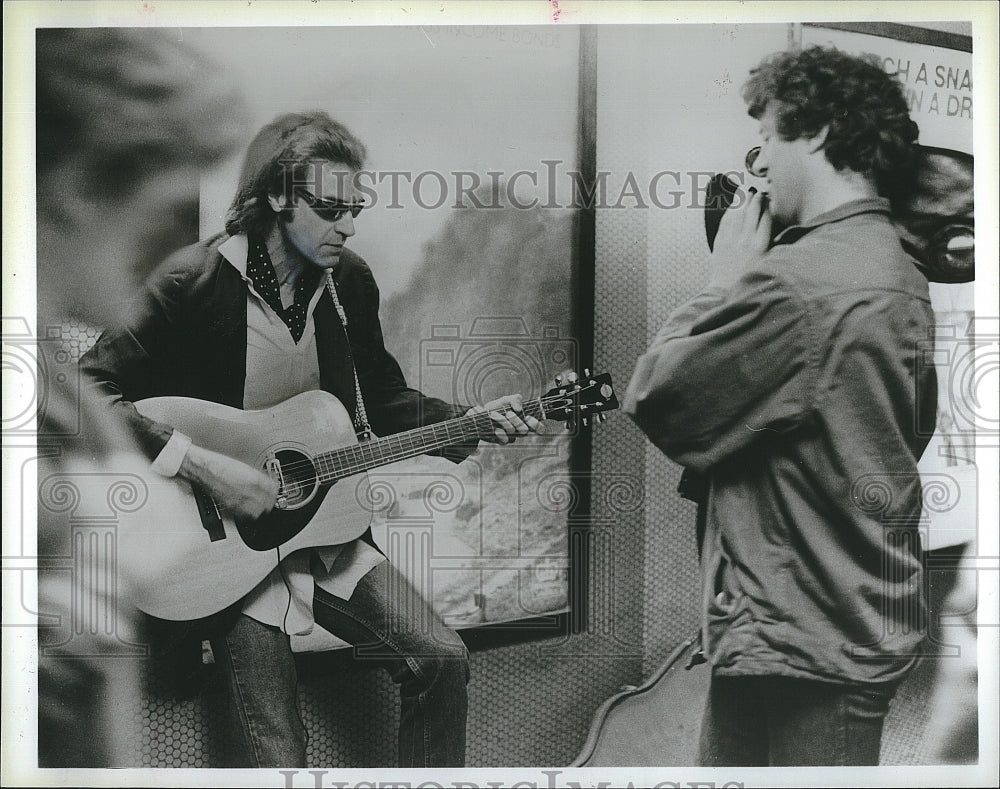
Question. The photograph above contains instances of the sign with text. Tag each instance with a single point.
(937, 81)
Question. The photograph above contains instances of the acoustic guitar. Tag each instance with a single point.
(197, 559)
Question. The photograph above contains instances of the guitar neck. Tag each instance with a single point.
(354, 459)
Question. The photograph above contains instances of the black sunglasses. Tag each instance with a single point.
(329, 210)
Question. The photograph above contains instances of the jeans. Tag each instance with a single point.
(389, 624)
(783, 721)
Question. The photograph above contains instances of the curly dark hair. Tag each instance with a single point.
(870, 130)
(302, 139)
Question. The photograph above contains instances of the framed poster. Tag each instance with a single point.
(470, 231)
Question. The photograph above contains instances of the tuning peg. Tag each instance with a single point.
(586, 372)
(585, 421)
(569, 424)
(572, 378)
(558, 380)
(601, 417)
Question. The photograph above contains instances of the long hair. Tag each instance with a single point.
(285, 151)
(864, 108)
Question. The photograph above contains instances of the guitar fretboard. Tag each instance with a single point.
(344, 462)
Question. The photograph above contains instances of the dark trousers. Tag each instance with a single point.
(772, 721)
(390, 625)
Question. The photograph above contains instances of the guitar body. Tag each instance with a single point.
(656, 724)
(196, 560)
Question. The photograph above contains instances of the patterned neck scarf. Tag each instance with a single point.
(260, 270)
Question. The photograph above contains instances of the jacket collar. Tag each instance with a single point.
(235, 250)
(867, 205)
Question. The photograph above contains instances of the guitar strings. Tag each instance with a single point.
(377, 450)
(344, 470)
(358, 464)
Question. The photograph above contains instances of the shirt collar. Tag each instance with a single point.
(866, 205)
(236, 249)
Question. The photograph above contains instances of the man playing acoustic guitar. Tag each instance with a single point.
(273, 308)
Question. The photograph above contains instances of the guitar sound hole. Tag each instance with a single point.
(299, 476)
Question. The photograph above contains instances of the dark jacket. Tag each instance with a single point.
(189, 338)
(802, 390)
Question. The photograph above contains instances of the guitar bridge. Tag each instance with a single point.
(273, 468)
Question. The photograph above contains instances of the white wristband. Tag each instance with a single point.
(168, 462)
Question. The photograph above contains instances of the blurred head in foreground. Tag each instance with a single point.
(125, 122)
(126, 119)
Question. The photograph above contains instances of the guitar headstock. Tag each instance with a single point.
(580, 398)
